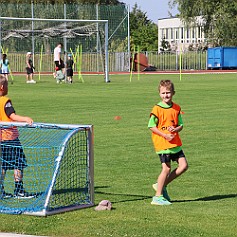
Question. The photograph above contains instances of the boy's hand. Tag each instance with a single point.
(169, 137)
(171, 129)
(29, 120)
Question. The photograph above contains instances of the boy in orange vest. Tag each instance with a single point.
(12, 154)
(166, 123)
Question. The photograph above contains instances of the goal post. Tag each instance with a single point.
(18, 33)
(59, 172)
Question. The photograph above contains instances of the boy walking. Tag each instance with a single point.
(69, 65)
(166, 123)
(12, 154)
(29, 68)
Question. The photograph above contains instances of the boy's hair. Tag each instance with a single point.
(167, 84)
(3, 80)
(4, 56)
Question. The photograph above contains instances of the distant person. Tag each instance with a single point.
(58, 75)
(29, 68)
(69, 66)
(57, 58)
(4, 64)
(166, 123)
(12, 154)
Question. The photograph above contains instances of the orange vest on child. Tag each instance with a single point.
(166, 117)
(6, 134)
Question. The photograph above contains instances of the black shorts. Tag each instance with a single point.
(29, 70)
(61, 65)
(166, 158)
(12, 156)
(69, 72)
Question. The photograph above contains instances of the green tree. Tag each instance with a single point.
(143, 31)
(220, 18)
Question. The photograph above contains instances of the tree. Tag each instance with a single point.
(220, 18)
(143, 31)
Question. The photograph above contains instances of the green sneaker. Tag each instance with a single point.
(160, 201)
(165, 193)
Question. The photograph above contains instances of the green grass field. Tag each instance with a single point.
(204, 198)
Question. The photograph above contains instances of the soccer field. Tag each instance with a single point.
(204, 198)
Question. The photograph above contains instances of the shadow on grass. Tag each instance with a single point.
(127, 197)
(136, 197)
(209, 198)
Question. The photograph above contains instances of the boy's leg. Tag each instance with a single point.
(3, 173)
(159, 199)
(161, 181)
(19, 191)
(18, 175)
(182, 167)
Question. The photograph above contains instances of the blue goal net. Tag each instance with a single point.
(45, 168)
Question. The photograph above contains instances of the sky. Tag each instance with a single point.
(155, 9)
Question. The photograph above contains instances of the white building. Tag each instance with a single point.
(179, 35)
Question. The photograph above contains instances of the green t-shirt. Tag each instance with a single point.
(153, 121)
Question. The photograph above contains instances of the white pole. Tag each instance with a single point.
(57, 20)
(65, 26)
(32, 28)
(129, 53)
(97, 36)
(106, 53)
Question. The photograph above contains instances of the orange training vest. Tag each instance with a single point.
(166, 117)
(6, 134)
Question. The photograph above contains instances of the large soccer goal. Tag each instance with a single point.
(41, 35)
(59, 168)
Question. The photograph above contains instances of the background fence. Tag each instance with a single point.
(40, 37)
(118, 61)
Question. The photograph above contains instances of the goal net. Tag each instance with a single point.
(59, 168)
(86, 40)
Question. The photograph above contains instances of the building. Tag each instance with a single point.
(179, 35)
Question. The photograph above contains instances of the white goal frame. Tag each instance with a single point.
(106, 63)
(48, 148)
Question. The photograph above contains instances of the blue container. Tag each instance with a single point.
(222, 58)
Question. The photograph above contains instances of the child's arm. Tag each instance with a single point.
(179, 127)
(173, 129)
(168, 137)
(18, 118)
(152, 125)
(27, 63)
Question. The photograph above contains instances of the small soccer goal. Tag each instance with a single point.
(59, 168)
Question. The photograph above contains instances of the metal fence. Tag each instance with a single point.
(118, 61)
(189, 60)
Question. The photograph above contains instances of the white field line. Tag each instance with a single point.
(17, 235)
